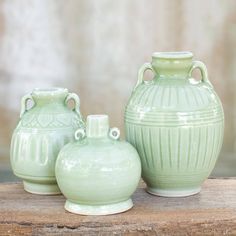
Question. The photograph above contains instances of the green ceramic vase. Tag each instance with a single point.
(98, 173)
(40, 134)
(176, 124)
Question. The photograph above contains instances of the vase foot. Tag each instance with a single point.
(42, 189)
(98, 209)
(173, 193)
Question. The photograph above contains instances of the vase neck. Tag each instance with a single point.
(97, 126)
(47, 96)
(172, 65)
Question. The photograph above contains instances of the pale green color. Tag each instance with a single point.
(98, 173)
(40, 134)
(176, 124)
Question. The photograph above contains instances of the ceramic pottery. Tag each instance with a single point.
(98, 173)
(41, 132)
(176, 124)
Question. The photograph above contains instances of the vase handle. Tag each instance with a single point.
(24, 101)
(143, 68)
(114, 133)
(75, 98)
(79, 134)
(202, 67)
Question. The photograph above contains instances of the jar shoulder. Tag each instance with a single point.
(87, 151)
(173, 97)
(45, 118)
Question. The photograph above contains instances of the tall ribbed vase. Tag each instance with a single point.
(176, 124)
(39, 136)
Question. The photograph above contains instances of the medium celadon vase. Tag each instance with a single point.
(176, 123)
(41, 132)
(98, 173)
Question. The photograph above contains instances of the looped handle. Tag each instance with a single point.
(202, 67)
(76, 109)
(143, 68)
(79, 134)
(75, 98)
(114, 133)
(24, 101)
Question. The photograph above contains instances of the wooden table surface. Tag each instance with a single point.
(212, 212)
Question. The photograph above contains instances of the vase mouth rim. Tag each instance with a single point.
(97, 116)
(49, 91)
(173, 55)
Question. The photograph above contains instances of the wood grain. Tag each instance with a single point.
(212, 212)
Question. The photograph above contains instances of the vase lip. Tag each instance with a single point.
(96, 117)
(173, 55)
(49, 91)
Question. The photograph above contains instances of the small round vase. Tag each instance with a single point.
(41, 132)
(98, 173)
(176, 123)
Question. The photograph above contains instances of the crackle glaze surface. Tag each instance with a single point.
(176, 124)
(98, 173)
(40, 134)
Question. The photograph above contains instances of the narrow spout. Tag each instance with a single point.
(97, 126)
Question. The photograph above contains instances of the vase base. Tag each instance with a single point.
(98, 209)
(173, 193)
(42, 189)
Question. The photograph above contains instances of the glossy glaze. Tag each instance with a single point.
(98, 173)
(40, 134)
(176, 124)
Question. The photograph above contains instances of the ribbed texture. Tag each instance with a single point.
(174, 97)
(175, 151)
(37, 152)
(173, 147)
(161, 118)
(177, 130)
